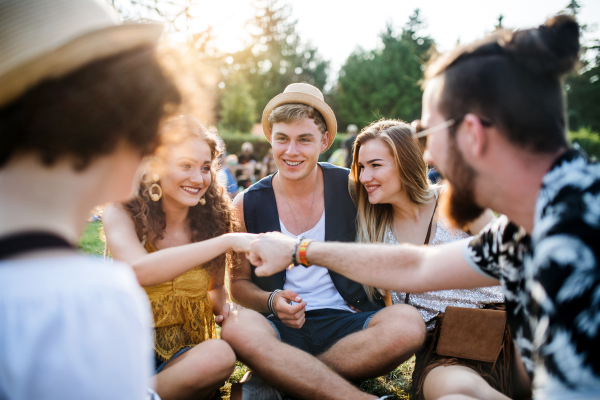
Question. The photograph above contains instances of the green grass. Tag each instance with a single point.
(396, 383)
(90, 240)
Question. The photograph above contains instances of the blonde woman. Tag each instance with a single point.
(397, 204)
(175, 234)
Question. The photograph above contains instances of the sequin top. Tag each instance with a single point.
(430, 304)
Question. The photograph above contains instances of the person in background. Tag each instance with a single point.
(247, 154)
(269, 165)
(175, 234)
(246, 176)
(81, 100)
(338, 157)
(225, 175)
(349, 144)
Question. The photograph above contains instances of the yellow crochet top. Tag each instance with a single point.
(182, 311)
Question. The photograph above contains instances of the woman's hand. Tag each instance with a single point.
(227, 308)
(241, 242)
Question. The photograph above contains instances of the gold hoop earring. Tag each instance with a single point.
(155, 196)
(202, 201)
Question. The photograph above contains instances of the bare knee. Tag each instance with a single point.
(246, 330)
(457, 382)
(405, 325)
(220, 356)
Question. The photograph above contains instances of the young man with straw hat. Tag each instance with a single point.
(317, 320)
(81, 98)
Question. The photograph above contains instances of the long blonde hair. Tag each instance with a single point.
(375, 220)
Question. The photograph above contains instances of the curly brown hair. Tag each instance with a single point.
(216, 217)
(87, 113)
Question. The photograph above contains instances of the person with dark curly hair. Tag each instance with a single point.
(176, 236)
(81, 100)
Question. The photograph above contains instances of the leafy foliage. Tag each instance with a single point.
(583, 91)
(583, 87)
(276, 56)
(385, 82)
(587, 140)
(238, 107)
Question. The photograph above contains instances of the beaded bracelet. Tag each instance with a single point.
(302, 252)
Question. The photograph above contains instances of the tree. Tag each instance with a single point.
(238, 107)
(583, 93)
(194, 63)
(583, 86)
(275, 56)
(385, 82)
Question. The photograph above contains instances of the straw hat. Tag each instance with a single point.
(42, 39)
(302, 93)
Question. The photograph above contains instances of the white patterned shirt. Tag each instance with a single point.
(551, 280)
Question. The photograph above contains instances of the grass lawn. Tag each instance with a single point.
(396, 383)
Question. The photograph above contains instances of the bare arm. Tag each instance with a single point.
(405, 268)
(248, 294)
(165, 265)
(243, 290)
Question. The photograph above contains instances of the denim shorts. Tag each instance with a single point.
(322, 328)
(159, 364)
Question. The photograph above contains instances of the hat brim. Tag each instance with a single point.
(84, 49)
(302, 98)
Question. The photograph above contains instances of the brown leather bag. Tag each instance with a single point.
(472, 333)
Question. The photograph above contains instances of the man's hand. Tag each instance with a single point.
(227, 308)
(291, 315)
(271, 253)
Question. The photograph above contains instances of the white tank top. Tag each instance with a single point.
(314, 284)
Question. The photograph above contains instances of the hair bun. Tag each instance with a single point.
(550, 50)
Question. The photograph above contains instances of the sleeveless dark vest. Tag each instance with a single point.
(260, 215)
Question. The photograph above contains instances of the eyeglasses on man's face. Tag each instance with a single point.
(421, 132)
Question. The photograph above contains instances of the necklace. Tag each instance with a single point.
(290, 207)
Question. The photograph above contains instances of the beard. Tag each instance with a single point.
(458, 201)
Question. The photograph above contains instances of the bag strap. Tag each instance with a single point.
(24, 242)
(426, 240)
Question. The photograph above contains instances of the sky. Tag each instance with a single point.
(338, 27)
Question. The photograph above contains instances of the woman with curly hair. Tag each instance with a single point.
(176, 236)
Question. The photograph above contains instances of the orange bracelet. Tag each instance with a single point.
(302, 252)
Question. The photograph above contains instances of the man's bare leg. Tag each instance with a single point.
(392, 337)
(284, 367)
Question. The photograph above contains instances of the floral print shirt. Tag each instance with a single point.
(551, 279)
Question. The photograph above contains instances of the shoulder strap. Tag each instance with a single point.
(24, 242)
(430, 223)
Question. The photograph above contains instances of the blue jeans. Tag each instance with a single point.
(322, 328)
(159, 365)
